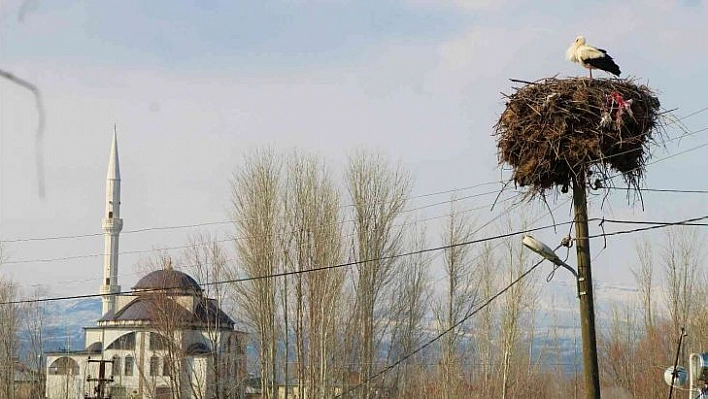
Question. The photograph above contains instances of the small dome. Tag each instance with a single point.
(168, 279)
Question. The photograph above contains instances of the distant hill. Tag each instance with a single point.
(65, 321)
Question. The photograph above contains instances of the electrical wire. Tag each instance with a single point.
(459, 212)
(686, 222)
(238, 238)
(443, 333)
(315, 269)
(654, 225)
(656, 160)
(158, 228)
(479, 308)
(139, 230)
(402, 359)
(693, 113)
(662, 190)
(650, 222)
(220, 222)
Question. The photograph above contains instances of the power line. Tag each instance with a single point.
(655, 225)
(316, 269)
(238, 238)
(139, 230)
(693, 113)
(685, 222)
(343, 236)
(656, 160)
(221, 222)
(443, 333)
(193, 225)
(662, 190)
(641, 148)
(649, 222)
(495, 296)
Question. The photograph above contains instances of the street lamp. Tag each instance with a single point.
(545, 251)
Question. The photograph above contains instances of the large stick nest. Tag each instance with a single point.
(554, 130)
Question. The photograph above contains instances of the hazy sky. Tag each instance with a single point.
(194, 85)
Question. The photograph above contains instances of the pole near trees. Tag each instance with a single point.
(587, 305)
(553, 132)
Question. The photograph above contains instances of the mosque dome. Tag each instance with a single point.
(168, 279)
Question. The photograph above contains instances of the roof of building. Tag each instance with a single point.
(168, 279)
(165, 309)
(95, 347)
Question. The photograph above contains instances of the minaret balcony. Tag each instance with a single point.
(109, 289)
(112, 225)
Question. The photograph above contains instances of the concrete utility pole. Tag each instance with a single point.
(587, 305)
(100, 390)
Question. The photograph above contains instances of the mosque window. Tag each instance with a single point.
(166, 367)
(126, 341)
(158, 342)
(154, 366)
(128, 366)
(116, 365)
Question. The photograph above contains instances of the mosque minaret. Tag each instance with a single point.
(112, 225)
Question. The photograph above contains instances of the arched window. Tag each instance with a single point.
(166, 366)
(64, 366)
(158, 342)
(230, 344)
(126, 341)
(116, 366)
(128, 369)
(154, 366)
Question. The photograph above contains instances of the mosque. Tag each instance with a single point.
(164, 339)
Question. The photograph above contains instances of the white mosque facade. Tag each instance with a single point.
(164, 339)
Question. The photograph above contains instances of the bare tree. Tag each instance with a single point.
(458, 296)
(682, 254)
(644, 276)
(487, 266)
(520, 301)
(9, 327)
(257, 217)
(379, 194)
(313, 221)
(33, 325)
(207, 257)
(618, 347)
(166, 336)
(409, 305)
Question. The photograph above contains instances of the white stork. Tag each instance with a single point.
(591, 57)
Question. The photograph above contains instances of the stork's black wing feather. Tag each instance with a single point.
(605, 63)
